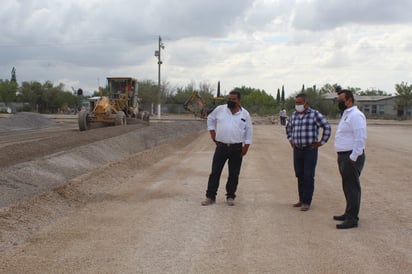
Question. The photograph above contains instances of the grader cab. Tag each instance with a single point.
(120, 105)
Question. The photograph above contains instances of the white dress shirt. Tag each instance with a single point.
(351, 132)
(230, 128)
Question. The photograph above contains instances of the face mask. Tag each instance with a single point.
(300, 108)
(231, 104)
(341, 105)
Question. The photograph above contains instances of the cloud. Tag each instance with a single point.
(318, 15)
(259, 43)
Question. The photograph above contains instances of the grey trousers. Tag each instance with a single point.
(350, 173)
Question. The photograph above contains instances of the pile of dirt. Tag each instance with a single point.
(25, 120)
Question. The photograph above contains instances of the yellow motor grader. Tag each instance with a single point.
(117, 108)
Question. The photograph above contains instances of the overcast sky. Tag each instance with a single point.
(262, 44)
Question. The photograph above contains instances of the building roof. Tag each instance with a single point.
(331, 96)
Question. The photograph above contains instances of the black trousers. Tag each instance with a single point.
(224, 153)
(350, 173)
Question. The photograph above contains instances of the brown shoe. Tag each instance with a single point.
(298, 204)
(305, 207)
(208, 201)
(230, 201)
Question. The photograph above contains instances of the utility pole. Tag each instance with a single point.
(159, 62)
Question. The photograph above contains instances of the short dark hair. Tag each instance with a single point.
(237, 93)
(338, 89)
(348, 94)
(303, 96)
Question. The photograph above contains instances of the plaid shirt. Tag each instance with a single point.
(303, 129)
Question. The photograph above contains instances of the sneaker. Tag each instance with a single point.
(208, 201)
(230, 201)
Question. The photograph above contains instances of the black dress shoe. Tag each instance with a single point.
(347, 224)
(339, 217)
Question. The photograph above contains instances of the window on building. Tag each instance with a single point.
(374, 107)
(366, 108)
(381, 109)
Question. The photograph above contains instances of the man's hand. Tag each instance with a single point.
(244, 150)
(213, 135)
(316, 145)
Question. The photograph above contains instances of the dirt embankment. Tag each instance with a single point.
(38, 154)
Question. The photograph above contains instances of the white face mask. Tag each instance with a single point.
(300, 108)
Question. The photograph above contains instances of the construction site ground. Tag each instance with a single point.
(127, 200)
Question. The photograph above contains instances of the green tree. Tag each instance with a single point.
(355, 90)
(316, 101)
(328, 89)
(373, 92)
(148, 91)
(47, 98)
(278, 97)
(404, 100)
(244, 91)
(8, 91)
(181, 95)
(30, 92)
(257, 101)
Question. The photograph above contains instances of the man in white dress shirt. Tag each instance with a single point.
(350, 139)
(230, 127)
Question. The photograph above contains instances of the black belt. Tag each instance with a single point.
(228, 145)
(304, 148)
(344, 152)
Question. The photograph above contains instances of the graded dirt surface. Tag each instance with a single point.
(140, 212)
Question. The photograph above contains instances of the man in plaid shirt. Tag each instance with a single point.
(302, 130)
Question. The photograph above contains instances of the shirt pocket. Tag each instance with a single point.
(241, 124)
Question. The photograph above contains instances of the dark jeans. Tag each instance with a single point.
(283, 121)
(304, 162)
(222, 154)
(350, 173)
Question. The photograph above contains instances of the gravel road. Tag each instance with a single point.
(141, 213)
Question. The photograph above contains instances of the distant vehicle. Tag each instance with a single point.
(198, 106)
(116, 108)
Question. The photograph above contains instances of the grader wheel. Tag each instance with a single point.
(143, 115)
(120, 119)
(84, 123)
(146, 116)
